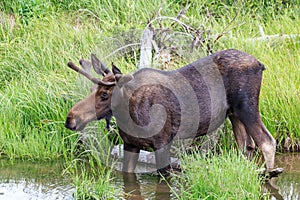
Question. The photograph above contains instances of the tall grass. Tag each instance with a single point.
(225, 176)
(280, 97)
(35, 90)
(31, 118)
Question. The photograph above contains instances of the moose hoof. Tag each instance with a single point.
(268, 174)
(175, 167)
(275, 172)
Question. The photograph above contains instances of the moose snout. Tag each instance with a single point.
(70, 122)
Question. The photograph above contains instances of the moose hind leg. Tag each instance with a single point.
(268, 147)
(244, 141)
(256, 129)
(264, 141)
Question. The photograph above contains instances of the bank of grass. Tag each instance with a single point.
(280, 95)
(30, 111)
(227, 175)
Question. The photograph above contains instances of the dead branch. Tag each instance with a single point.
(181, 13)
(121, 48)
(146, 48)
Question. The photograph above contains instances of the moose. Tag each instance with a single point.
(152, 107)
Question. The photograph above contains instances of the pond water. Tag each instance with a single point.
(29, 180)
(24, 180)
(287, 185)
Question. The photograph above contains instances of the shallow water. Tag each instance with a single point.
(44, 180)
(143, 186)
(33, 180)
(287, 185)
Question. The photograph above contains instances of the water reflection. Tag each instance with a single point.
(270, 190)
(143, 186)
(288, 183)
(29, 180)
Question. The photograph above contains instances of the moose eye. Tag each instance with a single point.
(104, 96)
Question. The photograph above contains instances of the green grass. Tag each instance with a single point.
(90, 166)
(91, 179)
(280, 91)
(38, 38)
(32, 118)
(225, 176)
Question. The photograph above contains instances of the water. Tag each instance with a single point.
(287, 185)
(29, 180)
(24, 180)
(144, 186)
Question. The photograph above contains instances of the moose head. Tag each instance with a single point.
(98, 104)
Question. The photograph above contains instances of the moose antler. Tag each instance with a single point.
(90, 77)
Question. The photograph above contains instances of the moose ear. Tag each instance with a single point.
(120, 78)
(115, 69)
(97, 65)
(123, 79)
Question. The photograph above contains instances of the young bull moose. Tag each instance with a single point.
(153, 107)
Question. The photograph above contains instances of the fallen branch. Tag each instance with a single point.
(276, 36)
(181, 13)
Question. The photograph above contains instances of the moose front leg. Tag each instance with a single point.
(107, 120)
(131, 155)
(163, 159)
